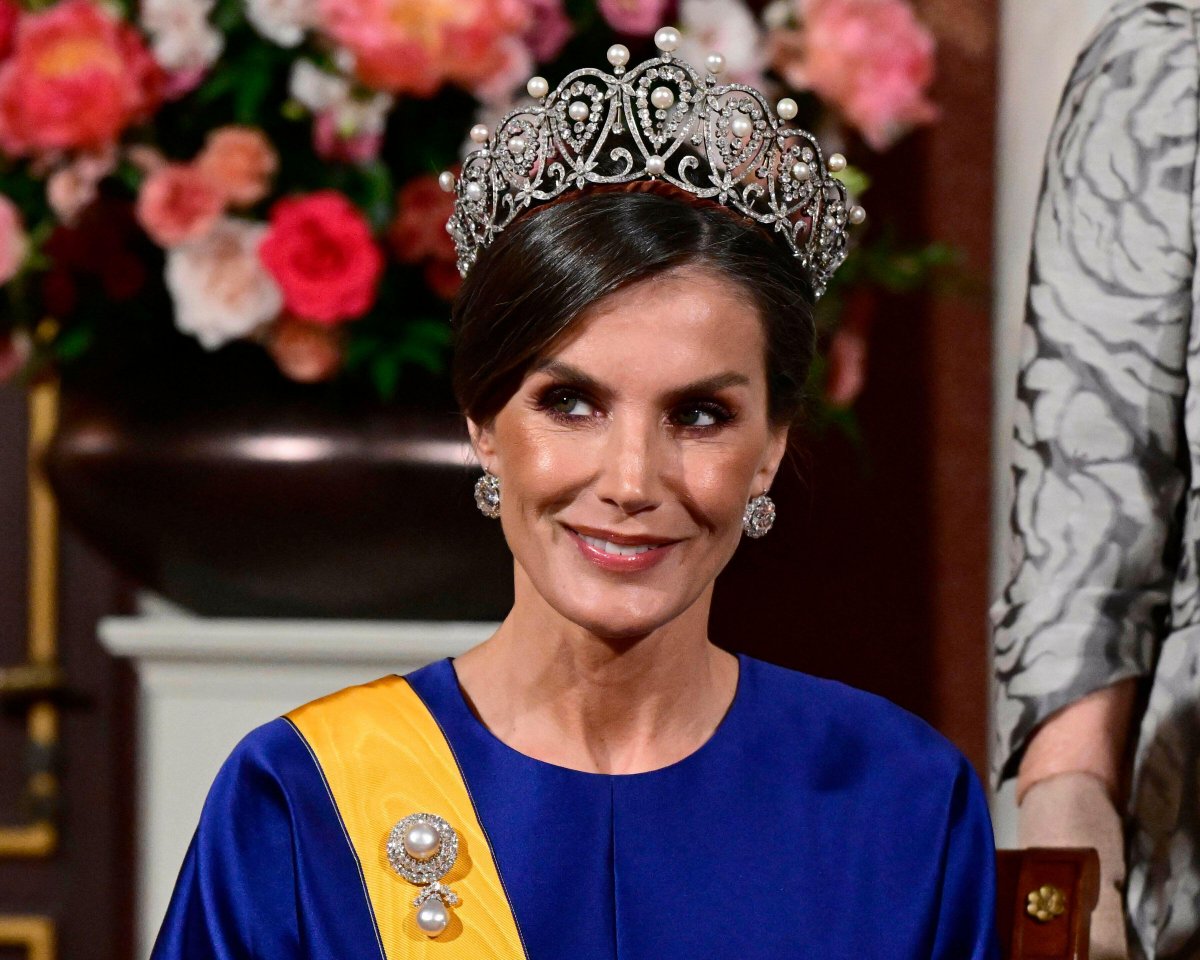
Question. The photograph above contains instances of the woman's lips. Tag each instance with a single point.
(623, 553)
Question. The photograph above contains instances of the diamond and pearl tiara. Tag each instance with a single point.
(739, 153)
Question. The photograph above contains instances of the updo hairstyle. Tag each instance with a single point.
(535, 281)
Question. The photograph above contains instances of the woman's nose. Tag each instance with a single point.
(631, 474)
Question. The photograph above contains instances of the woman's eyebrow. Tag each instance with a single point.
(575, 377)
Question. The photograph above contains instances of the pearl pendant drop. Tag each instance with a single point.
(655, 166)
(578, 110)
(662, 97)
(432, 917)
(741, 125)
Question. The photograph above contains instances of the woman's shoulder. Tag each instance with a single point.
(841, 723)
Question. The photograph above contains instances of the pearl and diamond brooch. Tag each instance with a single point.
(422, 848)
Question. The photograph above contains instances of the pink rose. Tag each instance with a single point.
(330, 144)
(77, 77)
(13, 242)
(636, 18)
(870, 59)
(549, 30)
(307, 352)
(511, 73)
(178, 203)
(418, 234)
(240, 161)
(404, 46)
(218, 284)
(320, 251)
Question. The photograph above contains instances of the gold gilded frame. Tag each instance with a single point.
(39, 838)
(33, 933)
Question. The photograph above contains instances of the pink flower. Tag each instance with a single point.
(13, 242)
(331, 144)
(513, 70)
(321, 253)
(220, 289)
(16, 347)
(549, 30)
(70, 189)
(846, 358)
(77, 77)
(10, 13)
(415, 46)
(871, 59)
(240, 161)
(728, 27)
(307, 352)
(178, 203)
(636, 18)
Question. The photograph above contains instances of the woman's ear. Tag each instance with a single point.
(484, 445)
(776, 448)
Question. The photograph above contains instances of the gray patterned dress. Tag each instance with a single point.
(1106, 519)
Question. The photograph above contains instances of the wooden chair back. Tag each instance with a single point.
(1044, 902)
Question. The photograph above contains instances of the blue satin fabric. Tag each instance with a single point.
(269, 874)
(817, 822)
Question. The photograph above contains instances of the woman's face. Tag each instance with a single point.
(628, 453)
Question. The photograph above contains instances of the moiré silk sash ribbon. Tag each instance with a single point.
(383, 757)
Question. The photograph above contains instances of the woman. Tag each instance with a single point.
(598, 779)
(1097, 637)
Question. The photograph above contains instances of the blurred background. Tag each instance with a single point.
(232, 477)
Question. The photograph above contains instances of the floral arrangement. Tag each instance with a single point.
(265, 170)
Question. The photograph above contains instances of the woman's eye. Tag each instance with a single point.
(700, 415)
(569, 405)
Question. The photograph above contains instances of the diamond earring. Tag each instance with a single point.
(759, 516)
(487, 495)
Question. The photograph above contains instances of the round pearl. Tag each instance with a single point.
(662, 97)
(715, 62)
(516, 145)
(655, 166)
(787, 108)
(801, 170)
(837, 163)
(618, 54)
(432, 917)
(666, 39)
(537, 87)
(857, 215)
(480, 133)
(474, 191)
(741, 125)
(421, 841)
(446, 181)
(578, 110)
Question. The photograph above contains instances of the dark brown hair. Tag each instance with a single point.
(538, 277)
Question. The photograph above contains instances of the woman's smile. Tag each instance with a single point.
(624, 553)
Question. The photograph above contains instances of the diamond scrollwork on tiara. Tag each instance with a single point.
(662, 119)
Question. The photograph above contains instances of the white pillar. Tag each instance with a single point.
(1039, 40)
(204, 683)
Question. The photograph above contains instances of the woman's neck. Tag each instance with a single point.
(555, 691)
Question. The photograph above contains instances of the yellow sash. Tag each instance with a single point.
(384, 757)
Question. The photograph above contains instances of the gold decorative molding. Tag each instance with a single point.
(36, 935)
(39, 838)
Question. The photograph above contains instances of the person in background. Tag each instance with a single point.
(1097, 632)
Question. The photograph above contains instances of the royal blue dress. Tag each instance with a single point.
(817, 822)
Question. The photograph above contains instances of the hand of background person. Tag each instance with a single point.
(1070, 788)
